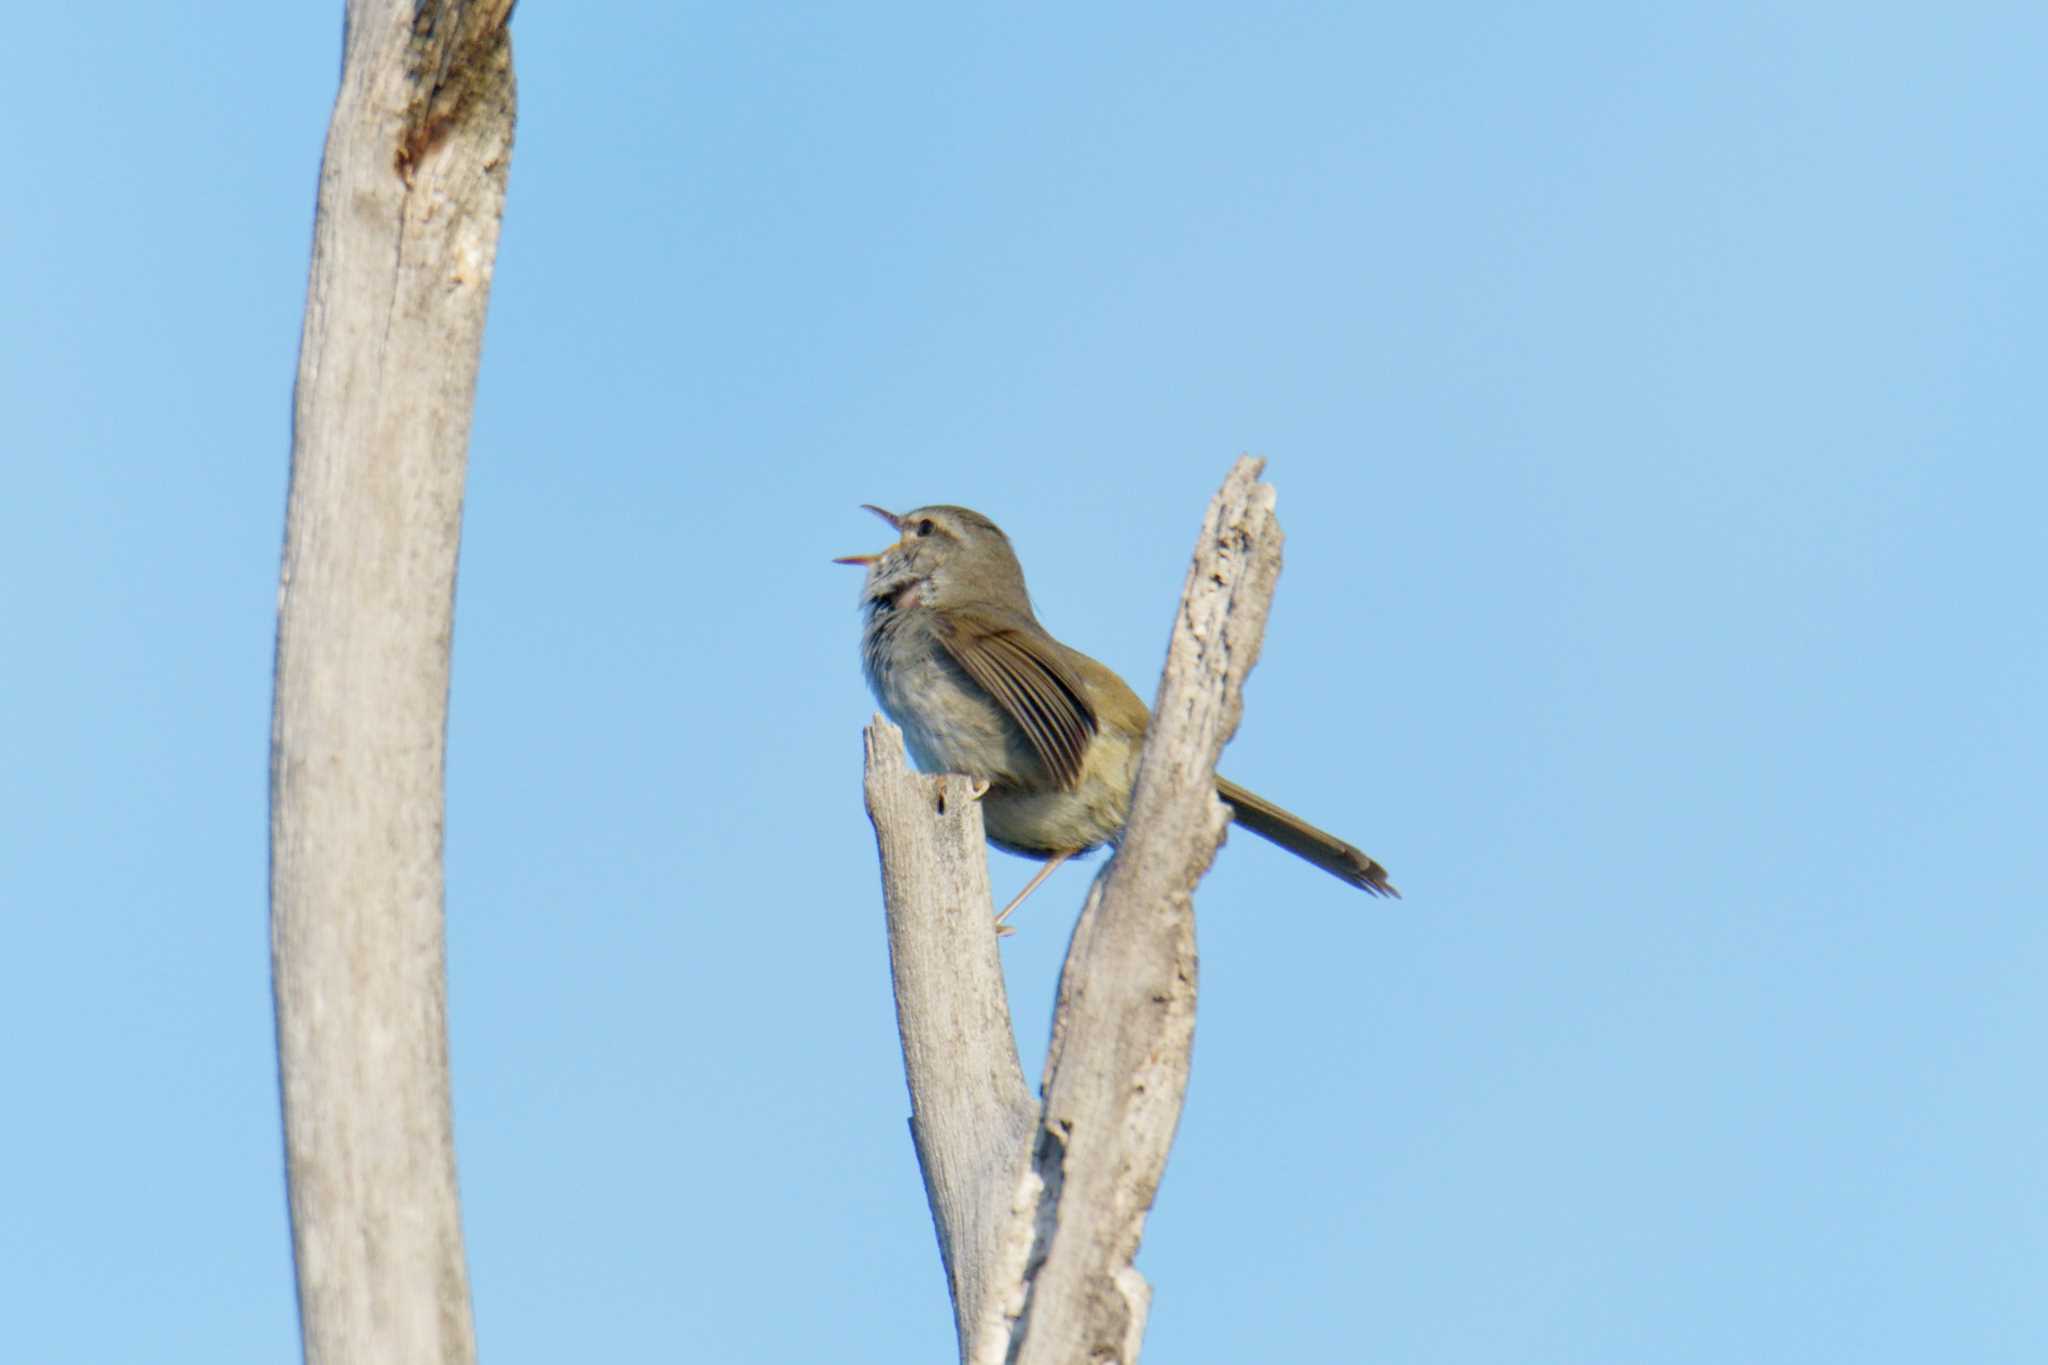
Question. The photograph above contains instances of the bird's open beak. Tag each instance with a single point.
(895, 523)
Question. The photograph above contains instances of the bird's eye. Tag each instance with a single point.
(924, 528)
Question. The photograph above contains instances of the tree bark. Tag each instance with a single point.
(1038, 1229)
(412, 189)
(971, 1115)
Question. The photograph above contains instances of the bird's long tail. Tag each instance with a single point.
(1304, 840)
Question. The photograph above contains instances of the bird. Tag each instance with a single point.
(958, 660)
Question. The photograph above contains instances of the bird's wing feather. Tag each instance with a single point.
(1017, 664)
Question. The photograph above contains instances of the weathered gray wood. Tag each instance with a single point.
(412, 189)
(1123, 1031)
(1038, 1246)
(971, 1114)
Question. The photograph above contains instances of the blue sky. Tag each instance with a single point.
(1654, 399)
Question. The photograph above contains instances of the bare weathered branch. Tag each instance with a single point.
(412, 189)
(971, 1114)
(1124, 1027)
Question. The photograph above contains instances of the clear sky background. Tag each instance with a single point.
(1655, 399)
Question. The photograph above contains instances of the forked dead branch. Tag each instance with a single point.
(1039, 1205)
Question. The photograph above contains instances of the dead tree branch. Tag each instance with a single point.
(412, 191)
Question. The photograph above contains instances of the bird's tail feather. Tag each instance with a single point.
(1304, 840)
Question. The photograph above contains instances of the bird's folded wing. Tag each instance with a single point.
(1019, 666)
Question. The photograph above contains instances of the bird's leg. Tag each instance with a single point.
(1050, 863)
